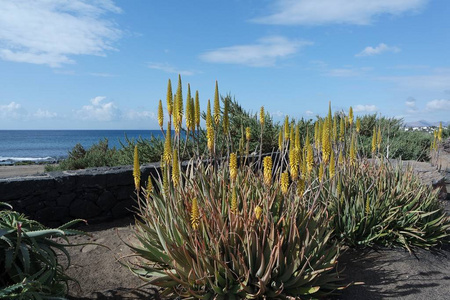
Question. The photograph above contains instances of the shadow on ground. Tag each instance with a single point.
(122, 294)
(396, 274)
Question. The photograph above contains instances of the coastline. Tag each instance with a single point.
(21, 170)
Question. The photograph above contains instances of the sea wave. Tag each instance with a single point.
(11, 160)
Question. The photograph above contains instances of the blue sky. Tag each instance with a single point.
(103, 64)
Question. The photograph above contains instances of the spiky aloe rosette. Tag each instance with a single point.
(29, 264)
(384, 205)
(197, 243)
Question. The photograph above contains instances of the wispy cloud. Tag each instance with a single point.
(98, 110)
(12, 110)
(51, 32)
(169, 69)
(321, 12)
(381, 48)
(438, 80)
(44, 114)
(102, 74)
(438, 105)
(264, 53)
(365, 108)
(411, 106)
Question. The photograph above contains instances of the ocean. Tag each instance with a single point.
(52, 145)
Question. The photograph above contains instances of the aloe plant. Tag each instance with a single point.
(29, 264)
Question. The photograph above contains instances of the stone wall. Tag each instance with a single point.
(95, 195)
(100, 194)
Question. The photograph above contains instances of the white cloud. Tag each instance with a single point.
(381, 48)
(438, 105)
(278, 114)
(44, 114)
(410, 102)
(364, 108)
(263, 53)
(102, 74)
(309, 113)
(12, 110)
(320, 12)
(99, 111)
(435, 81)
(343, 72)
(139, 115)
(169, 69)
(411, 106)
(52, 31)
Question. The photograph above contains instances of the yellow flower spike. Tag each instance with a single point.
(286, 128)
(188, 112)
(358, 124)
(293, 163)
(321, 172)
(350, 116)
(316, 132)
(367, 205)
(179, 97)
(340, 158)
(192, 112)
(258, 212)
(233, 166)
(284, 182)
(216, 105)
(210, 137)
(280, 140)
(292, 136)
(353, 151)
(136, 170)
(169, 98)
(304, 168)
(208, 115)
(167, 155)
(267, 163)
(149, 189)
(332, 167)
(234, 203)
(439, 134)
(326, 142)
(160, 114)
(335, 134)
(309, 159)
(195, 215)
(300, 187)
(226, 120)
(297, 137)
(197, 110)
(374, 140)
(262, 116)
(379, 139)
(175, 169)
(341, 129)
(248, 133)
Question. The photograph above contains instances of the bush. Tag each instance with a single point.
(378, 204)
(29, 264)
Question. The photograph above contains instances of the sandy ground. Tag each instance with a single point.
(386, 273)
(25, 170)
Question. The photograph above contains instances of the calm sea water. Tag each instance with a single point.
(51, 145)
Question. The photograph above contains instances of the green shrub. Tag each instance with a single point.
(378, 204)
(29, 264)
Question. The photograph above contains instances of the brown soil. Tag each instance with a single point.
(386, 273)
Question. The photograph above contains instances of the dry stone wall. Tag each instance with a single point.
(95, 195)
